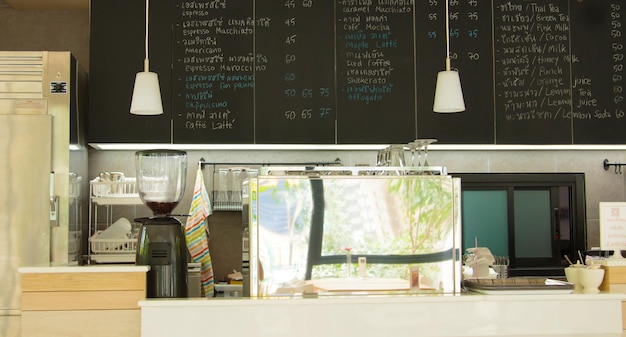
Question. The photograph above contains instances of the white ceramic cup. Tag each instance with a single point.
(573, 276)
(591, 279)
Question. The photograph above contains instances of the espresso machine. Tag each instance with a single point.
(161, 242)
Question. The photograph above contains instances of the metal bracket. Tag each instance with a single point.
(618, 166)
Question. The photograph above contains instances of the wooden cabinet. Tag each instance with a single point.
(82, 301)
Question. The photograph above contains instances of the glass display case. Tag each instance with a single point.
(343, 230)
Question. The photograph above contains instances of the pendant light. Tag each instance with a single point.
(448, 92)
(146, 93)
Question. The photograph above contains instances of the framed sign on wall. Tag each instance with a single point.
(613, 229)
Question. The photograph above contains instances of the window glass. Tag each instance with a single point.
(533, 237)
(485, 220)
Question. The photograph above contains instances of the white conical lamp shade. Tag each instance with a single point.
(448, 93)
(146, 95)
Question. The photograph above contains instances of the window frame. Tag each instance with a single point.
(519, 181)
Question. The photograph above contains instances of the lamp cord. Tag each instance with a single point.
(447, 36)
(146, 62)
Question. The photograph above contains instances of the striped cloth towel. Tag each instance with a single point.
(197, 234)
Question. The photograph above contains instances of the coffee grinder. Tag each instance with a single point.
(161, 242)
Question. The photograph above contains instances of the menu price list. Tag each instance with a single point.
(533, 57)
(375, 71)
(213, 71)
(598, 110)
(296, 93)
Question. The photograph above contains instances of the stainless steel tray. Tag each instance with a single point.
(518, 285)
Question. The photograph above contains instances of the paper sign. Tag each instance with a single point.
(613, 226)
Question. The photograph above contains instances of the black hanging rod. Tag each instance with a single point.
(337, 161)
(618, 166)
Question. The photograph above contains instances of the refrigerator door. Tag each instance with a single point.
(25, 157)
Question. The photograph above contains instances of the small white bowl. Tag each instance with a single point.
(591, 279)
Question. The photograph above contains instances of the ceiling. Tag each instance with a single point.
(47, 4)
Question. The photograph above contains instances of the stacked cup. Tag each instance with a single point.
(586, 279)
(572, 273)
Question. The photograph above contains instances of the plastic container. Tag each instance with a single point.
(119, 230)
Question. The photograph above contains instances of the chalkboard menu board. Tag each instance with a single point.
(364, 71)
(213, 91)
(295, 82)
(375, 71)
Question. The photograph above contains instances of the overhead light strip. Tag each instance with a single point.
(351, 147)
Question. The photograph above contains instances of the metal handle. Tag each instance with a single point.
(557, 224)
(54, 204)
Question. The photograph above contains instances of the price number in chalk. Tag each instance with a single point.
(307, 113)
(292, 3)
(304, 93)
(615, 15)
(303, 114)
(291, 39)
(290, 22)
(473, 56)
(618, 57)
(290, 93)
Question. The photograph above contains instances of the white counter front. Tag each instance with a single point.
(375, 316)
